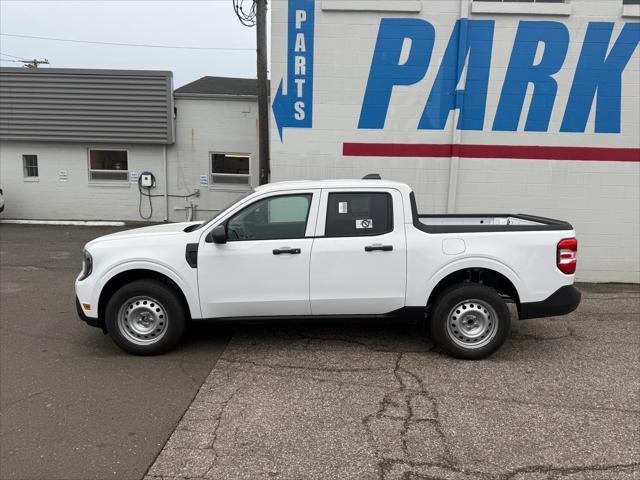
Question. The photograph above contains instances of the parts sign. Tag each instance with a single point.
(294, 108)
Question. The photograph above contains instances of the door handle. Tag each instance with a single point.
(384, 248)
(292, 251)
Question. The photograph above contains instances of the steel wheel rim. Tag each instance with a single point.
(142, 320)
(472, 324)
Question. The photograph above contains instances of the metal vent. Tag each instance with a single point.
(77, 105)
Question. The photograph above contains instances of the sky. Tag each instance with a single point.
(205, 23)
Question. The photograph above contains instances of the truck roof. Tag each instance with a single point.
(338, 183)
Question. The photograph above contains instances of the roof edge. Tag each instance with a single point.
(213, 96)
(86, 71)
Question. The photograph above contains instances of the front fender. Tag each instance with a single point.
(189, 294)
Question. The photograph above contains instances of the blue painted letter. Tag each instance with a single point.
(386, 69)
(472, 38)
(523, 71)
(600, 72)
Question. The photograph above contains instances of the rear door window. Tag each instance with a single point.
(358, 214)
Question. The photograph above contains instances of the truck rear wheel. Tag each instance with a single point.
(145, 317)
(470, 321)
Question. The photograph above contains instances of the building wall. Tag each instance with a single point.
(76, 198)
(203, 125)
(444, 165)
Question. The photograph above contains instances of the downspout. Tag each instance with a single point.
(166, 182)
(456, 134)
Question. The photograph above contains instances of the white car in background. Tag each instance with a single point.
(330, 248)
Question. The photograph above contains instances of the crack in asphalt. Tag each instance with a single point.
(408, 395)
(300, 367)
(218, 421)
(25, 398)
(373, 347)
(571, 333)
(549, 470)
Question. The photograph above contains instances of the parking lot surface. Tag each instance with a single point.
(73, 406)
(377, 401)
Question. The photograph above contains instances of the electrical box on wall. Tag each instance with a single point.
(147, 180)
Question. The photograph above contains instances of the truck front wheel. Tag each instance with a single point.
(470, 321)
(145, 317)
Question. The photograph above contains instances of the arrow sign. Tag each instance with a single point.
(293, 107)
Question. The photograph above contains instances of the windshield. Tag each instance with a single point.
(221, 211)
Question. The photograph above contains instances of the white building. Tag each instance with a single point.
(74, 143)
(481, 106)
(216, 147)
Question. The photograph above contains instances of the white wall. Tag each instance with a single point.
(209, 125)
(202, 126)
(77, 198)
(600, 198)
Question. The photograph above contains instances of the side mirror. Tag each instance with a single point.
(217, 235)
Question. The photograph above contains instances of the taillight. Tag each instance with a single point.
(567, 256)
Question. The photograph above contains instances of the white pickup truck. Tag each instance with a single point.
(330, 248)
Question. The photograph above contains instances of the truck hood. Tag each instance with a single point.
(152, 231)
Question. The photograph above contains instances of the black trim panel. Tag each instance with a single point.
(564, 300)
(409, 313)
(93, 322)
(191, 254)
(549, 223)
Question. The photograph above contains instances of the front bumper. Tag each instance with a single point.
(564, 300)
(94, 322)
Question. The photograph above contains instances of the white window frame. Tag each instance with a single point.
(213, 183)
(630, 9)
(406, 6)
(30, 178)
(107, 180)
(530, 7)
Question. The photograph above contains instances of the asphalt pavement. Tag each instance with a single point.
(72, 405)
(314, 400)
(560, 400)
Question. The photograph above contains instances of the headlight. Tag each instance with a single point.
(87, 265)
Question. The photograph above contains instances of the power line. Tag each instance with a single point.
(143, 45)
(247, 18)
(9, 55)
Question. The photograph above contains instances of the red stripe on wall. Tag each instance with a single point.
(528, 152)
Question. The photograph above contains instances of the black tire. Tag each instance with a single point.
(168, 323)
(470, 321)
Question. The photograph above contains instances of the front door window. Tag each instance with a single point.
(273, 218)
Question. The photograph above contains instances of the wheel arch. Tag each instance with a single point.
(127, 276)
(482, 275)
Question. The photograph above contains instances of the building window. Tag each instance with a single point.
(522, 7)
(631, 2)
(526, 1)
(30, 166)
(230, 168)
(108, 165)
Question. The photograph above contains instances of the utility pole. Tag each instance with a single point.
(263, 91)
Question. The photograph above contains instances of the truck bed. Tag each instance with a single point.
(478, 220)
(484, 222)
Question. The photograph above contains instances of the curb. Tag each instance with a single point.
(96, 223)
